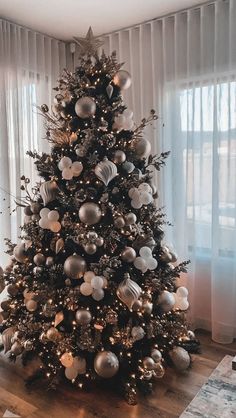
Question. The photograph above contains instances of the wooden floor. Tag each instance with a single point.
(171, 395)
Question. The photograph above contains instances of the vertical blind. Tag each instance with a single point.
(184, 66)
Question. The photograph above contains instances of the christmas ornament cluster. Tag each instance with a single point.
(91, 285)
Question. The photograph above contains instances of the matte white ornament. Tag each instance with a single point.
(76, 168)
(65, 162)
(98, 294)
(106, 171)
(86, 289)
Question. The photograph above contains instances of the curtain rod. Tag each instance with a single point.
(171, 14)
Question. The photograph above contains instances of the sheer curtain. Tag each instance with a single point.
(184, 65)
(30, 63)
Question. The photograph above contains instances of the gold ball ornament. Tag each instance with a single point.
(180, 358)
(31, 305)
(85, 107)
(122, 79)
(75, 266)
(106, 364)
(128, 255)
(90, 213)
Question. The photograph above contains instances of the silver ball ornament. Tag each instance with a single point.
(130, 218)
(128, 255)
(166, 300)
(90, 213)
(75, 266)
(180, 358)
(147, 307)
(119, 157)
(156, 355)
(106, 364)
(122, 79)
(90, 248)
(85, 107)
(119, 222)
(149, 363)
(39, 259)
(83, 317)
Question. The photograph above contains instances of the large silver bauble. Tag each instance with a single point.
(122, 79)
(166, 300)
(128, 255)
(75, 266)
(90, 213)
(180, 358)
(106, 364)
(85, 107)
(83, 317)
(142, 148)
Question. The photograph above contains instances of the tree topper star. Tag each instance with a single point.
(89, 44)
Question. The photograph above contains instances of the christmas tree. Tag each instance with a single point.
(91, 287)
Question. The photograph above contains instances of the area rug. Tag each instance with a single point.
(217, 397)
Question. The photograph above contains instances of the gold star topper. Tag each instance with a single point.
(89, 44)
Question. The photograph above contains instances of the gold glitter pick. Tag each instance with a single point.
(89, 44)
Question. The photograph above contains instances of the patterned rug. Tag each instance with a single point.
(217, 397)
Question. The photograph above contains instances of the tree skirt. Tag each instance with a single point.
(217, 397)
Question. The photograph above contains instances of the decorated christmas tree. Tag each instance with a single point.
(91, 287)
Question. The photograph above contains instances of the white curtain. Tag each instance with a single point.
(30, 64)
(184, 65)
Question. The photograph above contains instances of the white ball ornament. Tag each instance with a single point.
(53, 215)
(79, 364)
(88, 275)
(65, 162)
(145, 187)
(77, 168)
(44, 223)
(55, 226)
(182, 304)
(136, 204)
(71, 373)
(146, 198)
(98, 294)
(67, 174)
(140, 264)
(182, 292)
(151, 263)
(97, 282)
(133, 193)
(86, 289)
(145, 252)
(44, 212)
(66, 359)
